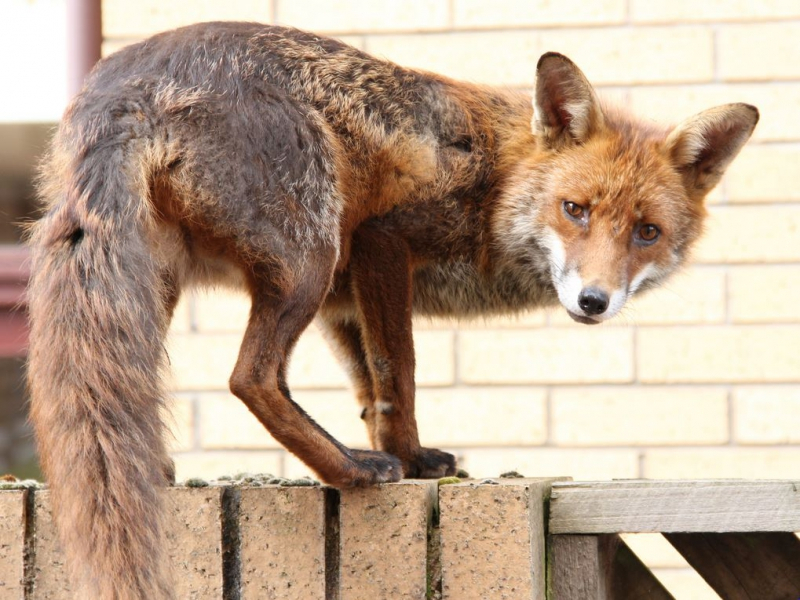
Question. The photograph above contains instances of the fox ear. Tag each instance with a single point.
(703, 146)
(565, 107)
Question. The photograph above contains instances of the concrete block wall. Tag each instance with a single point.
(408, 540)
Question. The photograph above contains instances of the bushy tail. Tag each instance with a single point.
(96, 356)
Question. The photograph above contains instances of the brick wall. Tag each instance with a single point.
(699, 379)
(254, 541)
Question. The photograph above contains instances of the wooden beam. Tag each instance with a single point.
(675, 506)
(599, 567)
(744, 566)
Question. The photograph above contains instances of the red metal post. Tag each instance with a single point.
(84, 39)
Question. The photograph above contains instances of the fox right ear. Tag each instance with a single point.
(703, 146)
(565, 107)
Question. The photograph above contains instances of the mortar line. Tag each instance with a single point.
(29, 544)
(231, 544)
(731, 417)
(332, 543)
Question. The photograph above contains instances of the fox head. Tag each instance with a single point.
(611, 204)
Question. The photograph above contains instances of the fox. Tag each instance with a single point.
(333, 186)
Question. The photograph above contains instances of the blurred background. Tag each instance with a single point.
(698, 379)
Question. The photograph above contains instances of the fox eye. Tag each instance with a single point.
(576, 211)
(648, 233)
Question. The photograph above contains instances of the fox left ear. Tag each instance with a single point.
(703, 146)
(565, 107)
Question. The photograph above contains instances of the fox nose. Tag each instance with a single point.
(593, 301)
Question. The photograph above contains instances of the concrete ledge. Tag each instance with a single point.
(295, 540)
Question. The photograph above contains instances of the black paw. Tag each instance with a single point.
(430, 463)
(369, 467)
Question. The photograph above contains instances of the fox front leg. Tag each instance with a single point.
(380, 268)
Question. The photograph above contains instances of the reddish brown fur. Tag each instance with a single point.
(326, 183)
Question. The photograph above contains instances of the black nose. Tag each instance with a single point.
(593, 301)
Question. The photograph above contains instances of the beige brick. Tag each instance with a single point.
(607, 56)
(681, 11)
(761, 52)
(109, 47)
(282, 532)
(569, 355)
(778, 105)
(435, 352)
(205, 362)
(764, 294)
(211, 465)
(363, 15)
(481, 416)
(200, 362)
(12, 543)
(113, 45)
(314, 365)
(654, 550)
(765, 173)
(578, 464)
(492, 540)
(383, 536)
(717, 354)
(730, 462)
(685, 583)
(226, 423)
(221, 311)
(536, 318)
(180, 421)
(696, 295)
(181, 318)
(338, 412)
(139, 19)
(294, 468)
(51, 581)
(194, 539)
(425, 323)
(767, 415)
(640, 416)
(750, 234)
(479, 14)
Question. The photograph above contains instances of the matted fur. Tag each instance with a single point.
(325, 183)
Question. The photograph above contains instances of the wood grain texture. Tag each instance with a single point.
(675, 506)
(599, 567)
(744, 566)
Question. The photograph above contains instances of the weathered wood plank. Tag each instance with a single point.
(599, 567)
(675, 506)
(744, 566)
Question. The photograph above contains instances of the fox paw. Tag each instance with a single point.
(430, 463)
(369, 467)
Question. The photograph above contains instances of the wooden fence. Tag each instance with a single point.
(738, 535)
(506, 538)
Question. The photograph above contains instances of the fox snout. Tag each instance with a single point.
(593, 301)
(589, 303)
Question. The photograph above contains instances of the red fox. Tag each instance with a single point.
(332, 185)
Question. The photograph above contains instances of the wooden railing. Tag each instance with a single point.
(738, 535)
(505, 538)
